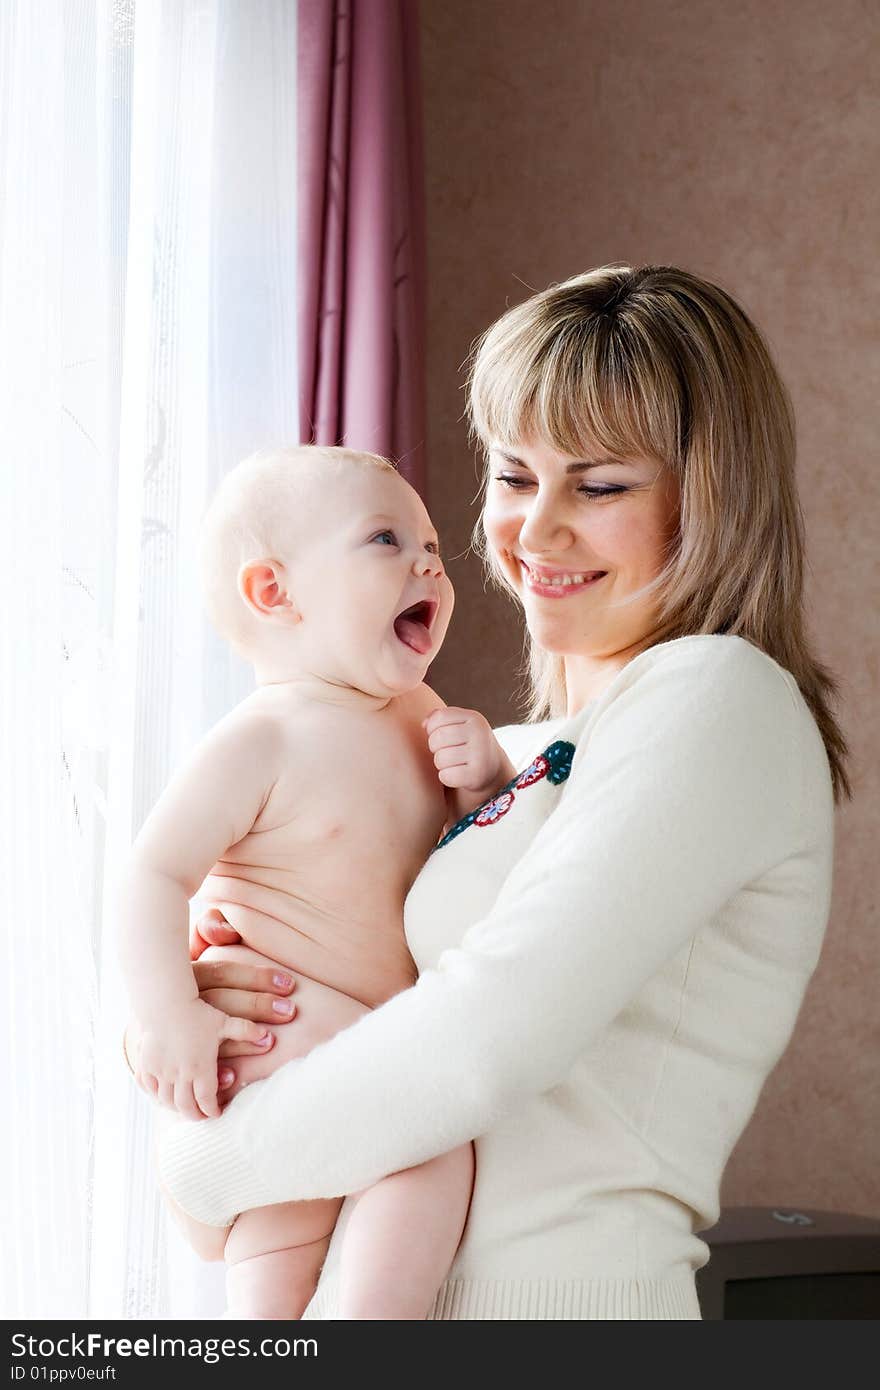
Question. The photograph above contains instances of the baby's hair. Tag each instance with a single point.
(251, 517)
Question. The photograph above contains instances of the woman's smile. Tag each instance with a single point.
(607, 523)
(546, 581)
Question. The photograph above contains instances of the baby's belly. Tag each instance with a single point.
(321, 1011)
(360, 951)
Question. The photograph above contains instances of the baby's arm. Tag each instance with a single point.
(470, 761)
(210, 804)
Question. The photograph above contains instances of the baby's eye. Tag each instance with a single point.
(434, 547)
(386, 537)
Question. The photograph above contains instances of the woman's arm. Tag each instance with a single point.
(687, 788)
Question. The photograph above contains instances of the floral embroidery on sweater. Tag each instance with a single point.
(554, 764)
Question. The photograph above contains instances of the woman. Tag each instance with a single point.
(613, 956)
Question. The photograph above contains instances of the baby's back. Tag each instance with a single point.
(319, 881)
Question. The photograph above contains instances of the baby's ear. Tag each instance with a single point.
(263, 586)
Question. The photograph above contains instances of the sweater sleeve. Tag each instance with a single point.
(684, 789)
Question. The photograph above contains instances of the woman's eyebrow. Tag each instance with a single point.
(581, 466)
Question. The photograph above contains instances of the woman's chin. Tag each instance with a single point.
(557, 638)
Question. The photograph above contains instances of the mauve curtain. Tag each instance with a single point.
(361, 229)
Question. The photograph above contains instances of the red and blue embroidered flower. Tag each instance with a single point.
(534, 772)
(554, 764)
(494, 810)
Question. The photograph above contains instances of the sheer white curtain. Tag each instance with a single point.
(147, 341)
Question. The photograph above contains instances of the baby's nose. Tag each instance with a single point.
(428, 563)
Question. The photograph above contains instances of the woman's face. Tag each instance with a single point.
(555, 522)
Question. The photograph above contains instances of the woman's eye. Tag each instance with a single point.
(601, 491)
(386, 537)
(516, 484)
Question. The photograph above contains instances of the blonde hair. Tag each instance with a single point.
(655, 362)
(253, 515)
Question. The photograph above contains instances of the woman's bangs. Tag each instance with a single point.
(575, 399)
(589, 411)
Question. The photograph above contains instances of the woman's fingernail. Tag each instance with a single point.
(282, 1006)
(266, 1037)
(282, 981)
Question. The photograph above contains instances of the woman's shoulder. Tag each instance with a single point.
(725, 670)
(703, 670)
(695, 691)
(690, 689)
(705, 691)
(714, 654)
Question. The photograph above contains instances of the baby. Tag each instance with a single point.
(304, 816)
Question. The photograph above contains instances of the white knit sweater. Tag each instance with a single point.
(612, 962)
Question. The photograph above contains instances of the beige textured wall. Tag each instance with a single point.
(737, 139)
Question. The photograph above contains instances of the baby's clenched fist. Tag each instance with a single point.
(467, 755)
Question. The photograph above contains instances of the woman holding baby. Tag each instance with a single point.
(612, 953)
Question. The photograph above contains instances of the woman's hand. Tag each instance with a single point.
(211, 929)
(255, 992)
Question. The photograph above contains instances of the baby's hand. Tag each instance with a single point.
(177, 1056)
(466, 754)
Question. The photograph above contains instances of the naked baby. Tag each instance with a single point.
(303, 817)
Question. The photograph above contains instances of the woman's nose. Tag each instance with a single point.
(544, 527)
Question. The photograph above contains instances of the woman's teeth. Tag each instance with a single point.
(559, 580)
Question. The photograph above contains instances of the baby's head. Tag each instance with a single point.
(310, 557)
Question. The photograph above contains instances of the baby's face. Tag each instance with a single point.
(370, 555)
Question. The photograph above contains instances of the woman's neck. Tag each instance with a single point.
(586, 677)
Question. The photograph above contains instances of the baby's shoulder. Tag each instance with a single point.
(245, 747)
(252, 721)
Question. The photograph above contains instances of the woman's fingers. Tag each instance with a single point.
(245, 1003)
(196, 944)
(213, 927)
(233, 975)
(242, 1030)
(228, 1051)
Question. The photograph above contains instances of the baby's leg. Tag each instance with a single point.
(402, 1237)
(296, 1234)
(274, 1256)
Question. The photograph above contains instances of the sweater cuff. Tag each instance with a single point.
(205, 1165)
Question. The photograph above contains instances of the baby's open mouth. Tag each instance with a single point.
(413, 625)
